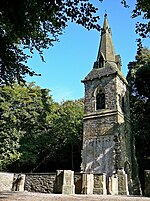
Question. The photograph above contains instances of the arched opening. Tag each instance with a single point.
(101, 60)
(100, 99)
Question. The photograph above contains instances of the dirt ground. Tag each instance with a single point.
(27, 196)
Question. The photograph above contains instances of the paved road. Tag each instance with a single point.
(26, 196)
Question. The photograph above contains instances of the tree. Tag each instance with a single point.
(35, 130)
(69, 128)
(64, 151)
(142, 8)
(26, 115)
(35, 24)
(139, 80)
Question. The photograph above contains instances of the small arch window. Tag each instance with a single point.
(100, 100)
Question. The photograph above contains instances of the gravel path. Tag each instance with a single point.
(27, 196)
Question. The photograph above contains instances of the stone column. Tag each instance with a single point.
(68, 187)
(122, 183)
(100, 184)
(147, 183)
(87, 183)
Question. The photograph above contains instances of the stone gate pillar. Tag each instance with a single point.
(122, 183)
(87, 183)
(68, 182)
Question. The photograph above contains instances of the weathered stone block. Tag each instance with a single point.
(68, 182)
(122, 183)
(6, 180)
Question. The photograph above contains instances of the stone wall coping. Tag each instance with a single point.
(45, 173)
(93, 173)
(7, 173)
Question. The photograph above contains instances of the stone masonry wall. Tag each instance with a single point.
(47, 183)
(44, 182)
(99, 126)
(106, 83)
(122, 92)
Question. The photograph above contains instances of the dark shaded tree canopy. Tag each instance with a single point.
(36, 24)
(139, 81)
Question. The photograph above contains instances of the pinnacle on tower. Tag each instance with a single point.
(106, 51)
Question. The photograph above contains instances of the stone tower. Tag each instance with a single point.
(106, 129)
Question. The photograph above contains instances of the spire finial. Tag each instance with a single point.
(106, 49)
(105, 15)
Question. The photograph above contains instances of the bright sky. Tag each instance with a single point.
(71, 59)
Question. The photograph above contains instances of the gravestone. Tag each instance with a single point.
(68, 187)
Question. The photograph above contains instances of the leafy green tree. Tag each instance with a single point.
(36, 24)
(69, 128)
(139, 80)
(9, 133)
(34, 129)
(25, 117)
(64, 150)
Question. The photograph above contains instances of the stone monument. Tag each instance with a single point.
(107, 140)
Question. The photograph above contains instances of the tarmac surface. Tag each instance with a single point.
(28, 196)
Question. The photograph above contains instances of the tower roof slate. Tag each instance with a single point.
(109, 69)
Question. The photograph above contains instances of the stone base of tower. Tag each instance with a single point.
(100, 184)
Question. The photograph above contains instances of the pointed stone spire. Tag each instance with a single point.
(106, 50)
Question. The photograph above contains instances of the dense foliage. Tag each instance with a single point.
(139, 80)
(35, 129)
(36, 24)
